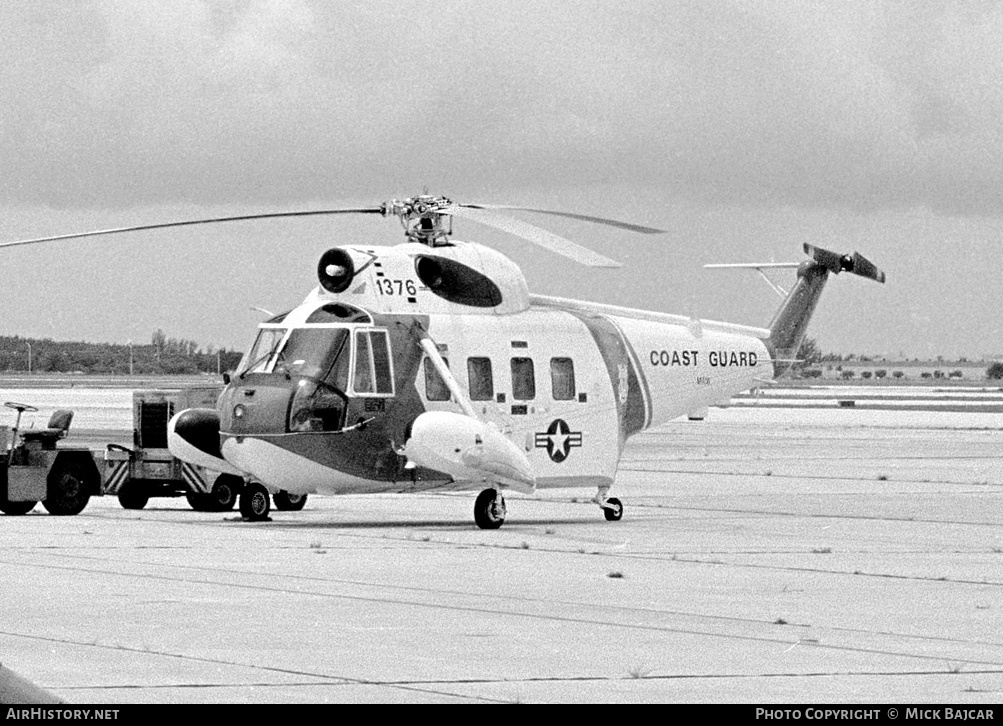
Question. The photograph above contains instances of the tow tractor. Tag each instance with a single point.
(35, 470)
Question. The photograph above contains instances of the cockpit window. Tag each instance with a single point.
(312, 353)
(262, 354)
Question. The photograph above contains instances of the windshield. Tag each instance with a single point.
(317, 353)
(259, 357)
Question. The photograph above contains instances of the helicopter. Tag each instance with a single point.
(429, 366)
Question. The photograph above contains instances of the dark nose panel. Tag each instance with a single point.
(200, 428)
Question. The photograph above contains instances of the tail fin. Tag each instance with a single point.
(787, 330)
(789, 325)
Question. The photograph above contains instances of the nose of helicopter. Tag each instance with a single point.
(260, 407)
(193, 436)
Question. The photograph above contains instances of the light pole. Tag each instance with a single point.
(29, 357)
(129, 343)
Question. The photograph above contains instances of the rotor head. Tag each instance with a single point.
(425, 218)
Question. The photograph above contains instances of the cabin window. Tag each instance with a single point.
(562, 378)
(482, 385)
(373, 373)
(523, 379)
(435, 388)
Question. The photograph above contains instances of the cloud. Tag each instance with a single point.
(860, 104)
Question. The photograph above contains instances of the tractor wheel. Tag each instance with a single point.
(69, 488)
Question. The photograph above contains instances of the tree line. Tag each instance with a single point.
(810, 358)
(162, 355)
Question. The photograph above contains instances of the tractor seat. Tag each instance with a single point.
(59, 425)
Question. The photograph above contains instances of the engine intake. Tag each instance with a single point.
(335, 270)
(457, 283)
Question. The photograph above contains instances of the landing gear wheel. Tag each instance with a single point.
(489, 509)
(612, 509)
(255, 503)
(131, 496)
(286, 502)
(224, 492)
(69, 489)
(16, 509)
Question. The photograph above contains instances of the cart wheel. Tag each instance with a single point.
(16, 509)
(286, 502)
(131, 496)
(69, 488)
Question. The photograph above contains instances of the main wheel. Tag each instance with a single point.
(613, 509)
(131, 496)
(255, 503)
(16, 509)
(69, 488)
(224, 492)
(286, 502)
(489, 509)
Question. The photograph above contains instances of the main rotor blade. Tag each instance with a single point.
(165, 225)
(548, 240)
(584, 217)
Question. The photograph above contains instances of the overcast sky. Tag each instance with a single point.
(743, 128)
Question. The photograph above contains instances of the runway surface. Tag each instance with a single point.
(764, 556)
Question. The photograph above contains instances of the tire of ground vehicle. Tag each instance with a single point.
(225, 491)
(71, 481)
(221, 498)
(199, 502)
(132, 496)
(16, 509)
(286, 502)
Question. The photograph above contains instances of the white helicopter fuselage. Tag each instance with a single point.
(564, 383)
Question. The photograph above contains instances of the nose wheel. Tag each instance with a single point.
(255, 503)
(489, 509)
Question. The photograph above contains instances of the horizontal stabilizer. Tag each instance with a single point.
(836, 263)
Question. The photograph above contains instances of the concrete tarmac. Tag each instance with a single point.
(763, 557)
